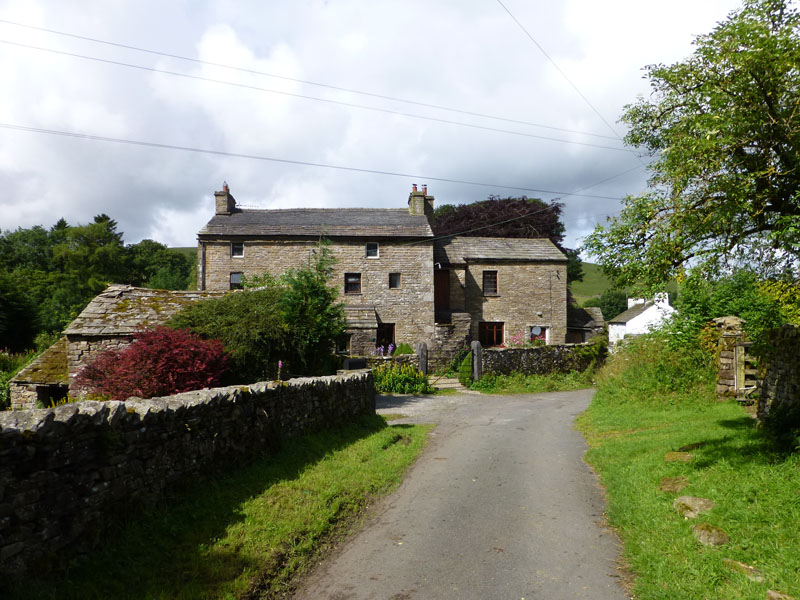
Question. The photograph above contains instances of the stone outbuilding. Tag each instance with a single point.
(108, 321)
(584, 323)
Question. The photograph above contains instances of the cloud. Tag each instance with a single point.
(465, 55)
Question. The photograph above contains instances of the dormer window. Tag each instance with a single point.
(237, 249)
(372, 250)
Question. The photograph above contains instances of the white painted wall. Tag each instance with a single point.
(652, 317)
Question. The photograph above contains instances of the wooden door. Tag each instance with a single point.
(441, 289)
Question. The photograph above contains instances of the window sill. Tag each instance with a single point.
(491, 295)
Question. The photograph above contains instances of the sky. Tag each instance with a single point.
(323, 82)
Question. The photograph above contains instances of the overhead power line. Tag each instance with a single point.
(314, 98)
(305, 81)
(563, 74)
(99, 138)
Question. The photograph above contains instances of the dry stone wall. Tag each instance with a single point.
(780, 368)
(67, 473)
(538, 360)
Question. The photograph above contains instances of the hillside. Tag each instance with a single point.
(594, 283)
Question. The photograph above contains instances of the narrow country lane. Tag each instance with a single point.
(500, 506)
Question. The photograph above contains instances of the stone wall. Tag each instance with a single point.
(449, 339)
(409, 307)
(780, 370)
(81, 350)
(538, 360)
(400, 359)
(23, 395)
(528, 295)
(67, 473)
(731, 335)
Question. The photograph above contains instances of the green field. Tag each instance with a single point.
(594, 283)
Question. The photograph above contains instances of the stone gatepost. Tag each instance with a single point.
(477, 357)
(731, 340)
(422, 352)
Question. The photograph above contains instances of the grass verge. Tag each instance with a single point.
(533, 384)
(247, 534)
(639, 414)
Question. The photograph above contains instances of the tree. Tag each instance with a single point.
(154, 265)
(250, 326)
(723, 127)
(50, 275)
(612, 302)
(741, 294)
(294, 318)
(509, 217)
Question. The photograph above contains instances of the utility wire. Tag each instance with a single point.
(337, 102)
(563, 74)
(533, 212)
(306, 82)
(99, 138)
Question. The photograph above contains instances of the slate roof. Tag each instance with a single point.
(361, 317)
(461, 249)
(632, 312)
(584, 318)
(332, 222)
(123, 309)
(49, 368)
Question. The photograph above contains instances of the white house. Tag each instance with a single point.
(641, 317)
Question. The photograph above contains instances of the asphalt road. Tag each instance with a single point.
(499, 506)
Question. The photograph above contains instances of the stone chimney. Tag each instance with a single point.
(419, 202)
(226, 203)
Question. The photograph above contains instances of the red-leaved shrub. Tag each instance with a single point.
(159, 362)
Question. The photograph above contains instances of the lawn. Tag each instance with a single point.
(632, 425)
(246, 534)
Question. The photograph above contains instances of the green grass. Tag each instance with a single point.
(189, 251)
(594, 283)
(632, 423)
(247, 534)
(533, 384)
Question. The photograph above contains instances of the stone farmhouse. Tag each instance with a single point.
(397, 282)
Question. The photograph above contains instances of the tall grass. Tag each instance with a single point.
(649, 369)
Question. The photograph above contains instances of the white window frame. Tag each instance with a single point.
(399, 280)
(233, 255)
(377, 250)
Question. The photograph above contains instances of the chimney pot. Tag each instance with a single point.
(425, 188)
(413, 187)
(225, 187)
